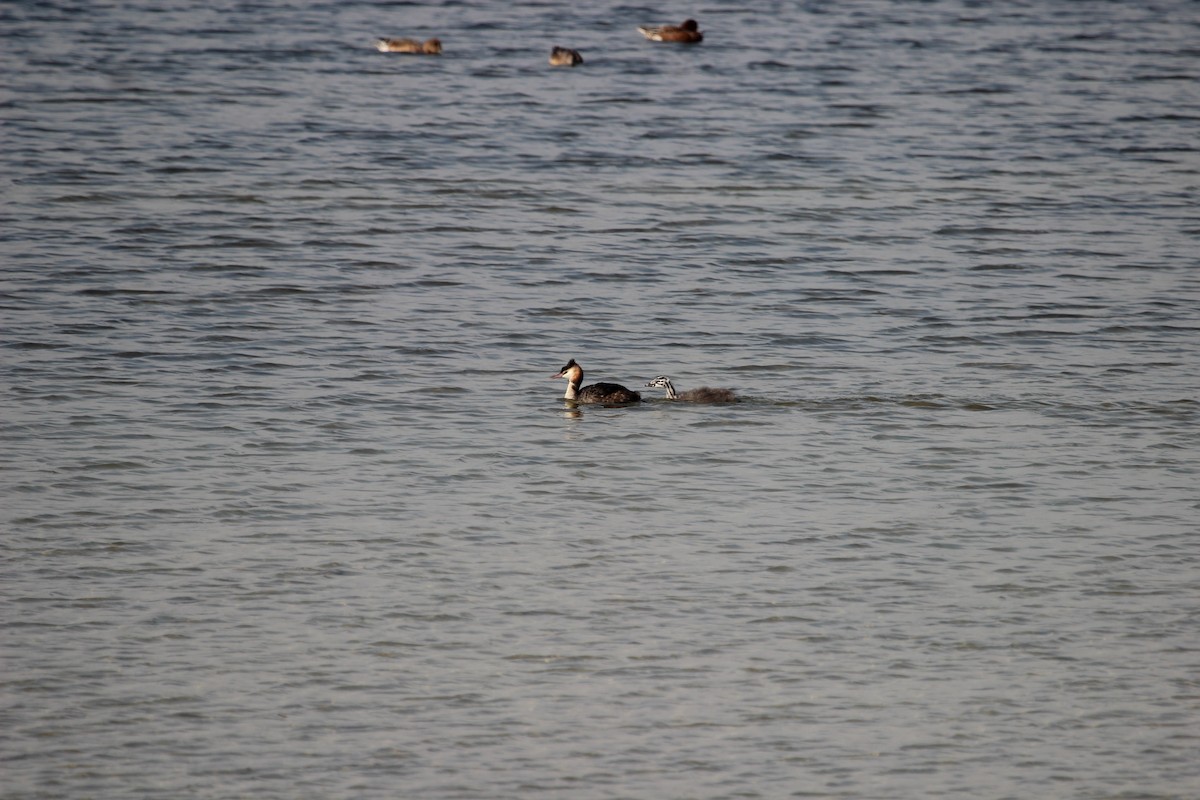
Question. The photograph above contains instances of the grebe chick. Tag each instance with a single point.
(432, 47)
(687, 32)
(704, 394)
(607, 393)
(565, 57)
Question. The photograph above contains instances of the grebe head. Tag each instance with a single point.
(574, 375)
(572, 372)
(689, 25)
(663, 382)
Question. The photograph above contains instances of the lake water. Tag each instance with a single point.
(292, 508)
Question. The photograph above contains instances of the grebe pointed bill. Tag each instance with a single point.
(604, 393)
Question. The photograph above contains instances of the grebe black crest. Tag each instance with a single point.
(705, 394)
(606, 393)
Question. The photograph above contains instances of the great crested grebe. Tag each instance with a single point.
(565, 57)
(687, 32)
(607, 393)
(704, 394)
(432, 47)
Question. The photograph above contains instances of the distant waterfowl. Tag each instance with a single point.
(432, 47)
(607, 393)
(687, 32)
(704, 394)
(565, 57)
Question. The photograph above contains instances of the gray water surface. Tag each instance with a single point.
(292, 508)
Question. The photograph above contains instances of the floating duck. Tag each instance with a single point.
(687, 32)
(564, 57)
(432, 47)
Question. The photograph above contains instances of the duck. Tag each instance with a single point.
(705, 394)
(686, 32)
(606, 393)
(565, 57)
(431, 47)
